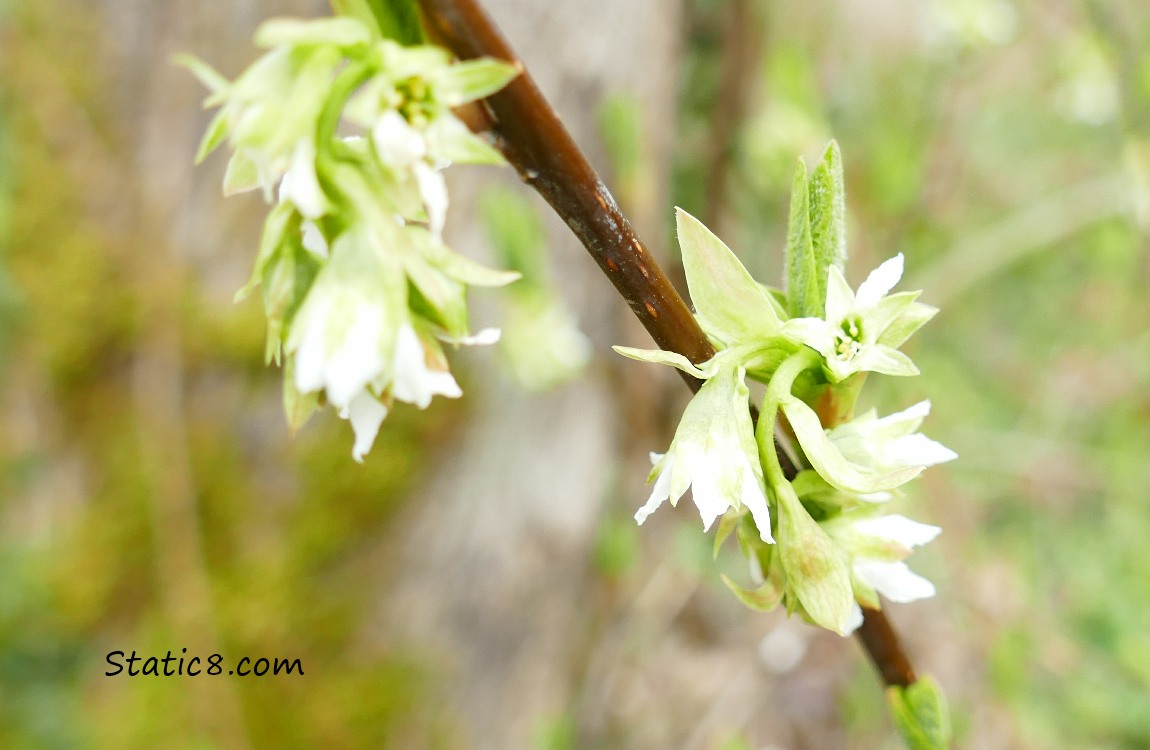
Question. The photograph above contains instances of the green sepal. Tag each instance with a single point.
(298, 407)
(829, 460)
(473, 79)
(449, 139)
(436, 296)
(241, 175)
(674, 359)
(730, 305)
(828, 216)
(458, 267)
(282, 221)
(921, 714)
(763, 598)
(286, 283)
(804, 296)
(294, 32)
(215, 134)
(912, 317)
(816, 570)
(212, 79)
(727, 525)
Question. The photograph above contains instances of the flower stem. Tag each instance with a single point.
(534, 141)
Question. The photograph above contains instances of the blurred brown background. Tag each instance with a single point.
(478, 582)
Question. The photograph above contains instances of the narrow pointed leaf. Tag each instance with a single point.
(828, 215)
(803, 293)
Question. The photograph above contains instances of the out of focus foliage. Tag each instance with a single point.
(151, 498)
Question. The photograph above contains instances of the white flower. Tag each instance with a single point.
(397, 143)
(404, 148)
(413, 381)
(894, 580)
(850, 335)
(335, 351)
(890, 443)
(877, 546)
(714, 454)
(300, 185)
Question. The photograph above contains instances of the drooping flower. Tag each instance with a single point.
(890, 443)
(714, 453)
(866, 454)
(877, 547)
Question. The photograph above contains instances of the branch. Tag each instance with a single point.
(534, 141)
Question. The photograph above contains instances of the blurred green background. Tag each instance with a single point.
(151, 497)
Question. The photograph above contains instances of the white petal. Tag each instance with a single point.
(311, 353)
(706, 489)
(397, 143)
(300, 184)
(880, 281)
(483, 337)
(854, 620)
(912, 414)
(840, 298)
(660, 492)
(898, 529)
(916, 450)
(433, 190)
(754, 499)
(816, 333)
(413, 381)
(366, 414)
(894, 580)
(357, 360)
(313, 240)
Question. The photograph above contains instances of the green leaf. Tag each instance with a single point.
(730, 305)
(804, 298)
(828, 215)
(830, 462)
(339, 32)
(921, 714)
(764, 598)
(450, 140)
(474, 79)
(357, 9)
(398, 20)
(298, 407)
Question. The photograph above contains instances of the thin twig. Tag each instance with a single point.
(534, 141)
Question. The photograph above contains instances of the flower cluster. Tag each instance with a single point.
(358, 286)
(819, 542)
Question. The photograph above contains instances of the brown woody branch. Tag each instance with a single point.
(536, 143)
